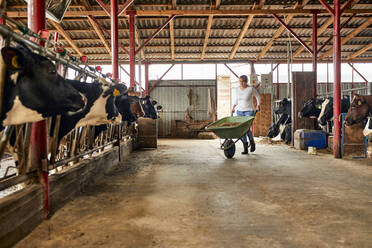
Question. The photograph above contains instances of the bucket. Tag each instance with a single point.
(311, 150)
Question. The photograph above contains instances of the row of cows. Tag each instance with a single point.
(33, 91)
(359, 110)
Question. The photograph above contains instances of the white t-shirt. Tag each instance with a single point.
(244, 98)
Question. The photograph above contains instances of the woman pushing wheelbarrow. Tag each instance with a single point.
(238, 127)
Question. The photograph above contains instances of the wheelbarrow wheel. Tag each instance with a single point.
(229, 153)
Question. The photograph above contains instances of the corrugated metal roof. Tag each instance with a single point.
(190, 31)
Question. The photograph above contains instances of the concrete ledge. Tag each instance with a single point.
(22, 211)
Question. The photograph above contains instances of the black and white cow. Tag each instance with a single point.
(283, 125)
(326, 113)
(100, 108)
(33, 90)
(367, 131)
(311, 109)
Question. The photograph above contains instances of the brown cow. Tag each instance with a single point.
(360, 109)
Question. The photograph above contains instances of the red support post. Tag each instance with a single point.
(293, 33)
(330, 38)
(104, 7)
(38, 142)
(108, 33)
(337, 80)
(347, 5)
(146, 78)
(326, 5)
(315, 51)
(277, 83)
(157, 82)
(114, 40)
(132, 54)
(126, 72)
(155, 33)
(125, 6)
(354, 69)
(228, 67)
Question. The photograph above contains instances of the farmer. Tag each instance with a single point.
(244, 106)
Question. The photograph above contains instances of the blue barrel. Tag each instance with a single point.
(303, 138)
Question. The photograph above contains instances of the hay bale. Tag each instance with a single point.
(206, 135)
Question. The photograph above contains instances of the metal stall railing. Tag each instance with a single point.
(77, 145)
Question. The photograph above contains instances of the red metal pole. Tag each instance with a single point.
(157, 82)
(146, 78)
(125, 6)
(337, 80)
(228, 67)
(293, 33)
(326, 5)
(114, 40)
(365, 80)
(132, 55)
(104, 7)
(315, 51)
(155, 33)
(38, 141)
(277, 84)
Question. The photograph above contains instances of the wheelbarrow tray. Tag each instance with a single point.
(231, 132)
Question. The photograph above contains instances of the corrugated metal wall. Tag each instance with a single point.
(172, 95)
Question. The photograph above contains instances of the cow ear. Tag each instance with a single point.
(154, 102)
(12, 58)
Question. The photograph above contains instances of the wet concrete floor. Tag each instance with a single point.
(186, 194)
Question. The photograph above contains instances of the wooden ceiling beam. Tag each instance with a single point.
(279, 31)
(244, 30)
(100, 34)
(322, 29)
(349, 37)
(171, 30)
(102, 13)
(207, 33)
(361, 51)
(62, 32)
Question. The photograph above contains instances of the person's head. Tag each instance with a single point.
(243, 80)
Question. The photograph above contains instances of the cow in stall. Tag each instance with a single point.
(33, 90)
(100, 108)
(326, 113)
(138, 107)
(360, 110)
(311, 109)
(283, 126)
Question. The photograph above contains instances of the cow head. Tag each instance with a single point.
(123, 105)
(326, 111)
(284, 107)
(33, 89)
(311, 109)
(135, 106)
(358, 111)
(148, 107)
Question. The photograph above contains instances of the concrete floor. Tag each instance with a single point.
(186, 194)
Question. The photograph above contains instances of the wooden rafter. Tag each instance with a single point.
(67, 37)
(242, 12)
(100, 34)
(138, 42)
(243, 31)
(322, 29)
(171, 30)
(86, 5)
(278, 33)
(207, 33)
(350, 36)
(361, 51)
(261, 4)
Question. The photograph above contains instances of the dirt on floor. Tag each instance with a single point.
(187, 194)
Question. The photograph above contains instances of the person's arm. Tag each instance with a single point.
(235, 101)
(257, 95)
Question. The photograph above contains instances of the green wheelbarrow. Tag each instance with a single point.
(230, 128)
